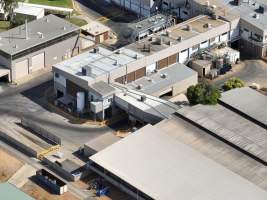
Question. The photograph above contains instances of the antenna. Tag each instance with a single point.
(26, 29)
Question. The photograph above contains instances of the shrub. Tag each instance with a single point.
(203, 93)
(233, 83)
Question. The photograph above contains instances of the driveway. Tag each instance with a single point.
(250, 71)
(25, 101)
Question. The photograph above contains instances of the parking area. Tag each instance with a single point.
(250, 71)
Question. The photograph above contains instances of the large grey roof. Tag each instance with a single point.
(231, 127)
(215, 149)
(14, 40)
(248, 102)
(164, 168)
(9, 191)
(154, 83)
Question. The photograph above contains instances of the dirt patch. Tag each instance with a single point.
(39, 193)
(8, 165)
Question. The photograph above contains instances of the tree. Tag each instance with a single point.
(233, 83)
(203, 93)
(9, 7)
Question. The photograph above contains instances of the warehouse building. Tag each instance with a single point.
(239, 99)
(175, 169)
(180, 42)
(89, 78)
(231, 127)
(248, 21)
(36, 45)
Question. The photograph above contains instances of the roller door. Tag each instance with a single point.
(130, 77)
(172, 59)
(38, 62)
(21, 69)
(140, 73)
(162, 63)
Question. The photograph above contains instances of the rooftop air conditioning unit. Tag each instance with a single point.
(163, 75)
(143, 98)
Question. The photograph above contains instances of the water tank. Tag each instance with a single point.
(219, 63)
(80, 101)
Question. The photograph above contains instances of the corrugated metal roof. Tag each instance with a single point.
(164, 168)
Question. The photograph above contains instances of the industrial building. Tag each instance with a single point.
(36, 45)
(174, 168)
(229, 126)
(248, 21)
(172, 80)
(150, 25)
(140, 7)
(238, 100)
(87, 81)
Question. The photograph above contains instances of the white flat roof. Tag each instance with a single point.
(101, 62)
(55, 8)
(95, 28)
(164, 168)
(28, 10)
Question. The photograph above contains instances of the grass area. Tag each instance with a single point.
(77, 21)
(59, 3)
(4, 25)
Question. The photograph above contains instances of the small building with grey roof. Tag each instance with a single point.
(36, 45)
(174, 79)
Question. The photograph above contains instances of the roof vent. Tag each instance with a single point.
(135, 56)
(41, 35)
(207, 25)
(213, 7)
(139, 87)
(207, 3)
(179, 38)
(163, 75)
(189, 28)
(256, 16)
(119, 51)
(116, 63)
(64, 28)
(16, 46)
(95, 50)
(46, 20)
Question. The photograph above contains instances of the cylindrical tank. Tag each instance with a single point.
(80, 101)
(219, 63)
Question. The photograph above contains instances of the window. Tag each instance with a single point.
(56, 75)
(246, 30)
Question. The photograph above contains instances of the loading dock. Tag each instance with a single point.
(21, 69)
(4, 74)
(38, 62)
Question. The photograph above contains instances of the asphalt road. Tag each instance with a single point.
(251, 71)
(24, 101)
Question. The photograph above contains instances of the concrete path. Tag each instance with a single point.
(22, 176)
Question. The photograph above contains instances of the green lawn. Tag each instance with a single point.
(60, 3)
(76, 21)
